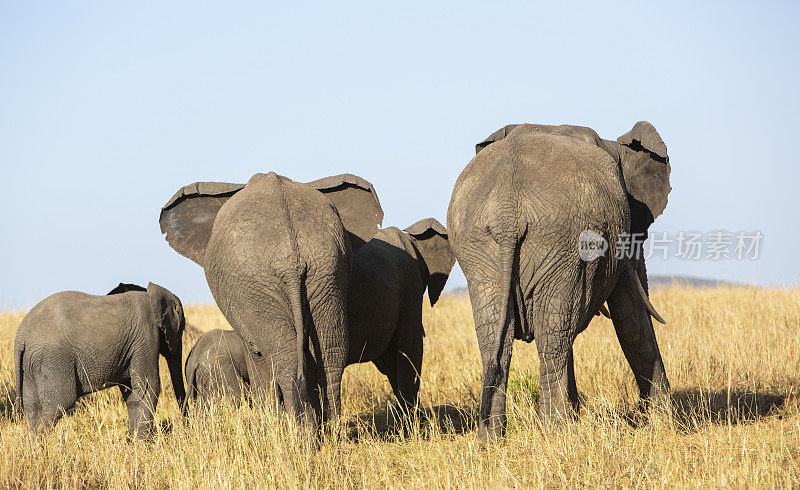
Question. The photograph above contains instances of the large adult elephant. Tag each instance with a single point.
(277, 257)
(520, 210)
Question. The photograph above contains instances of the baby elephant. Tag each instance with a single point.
(217, 367)
(384, 309)
(72, 344)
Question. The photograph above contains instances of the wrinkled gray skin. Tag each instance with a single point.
(277, 257)
(389, 278)
(514, 220)
(217, 367)
(72, 344)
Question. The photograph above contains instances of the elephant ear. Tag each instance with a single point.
(494, 137)
(645, 168)
(188, 217)
(357, 203)
(168, 312)
(124, 288)
(430, 240)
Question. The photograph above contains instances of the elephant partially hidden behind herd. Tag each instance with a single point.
(310, 284)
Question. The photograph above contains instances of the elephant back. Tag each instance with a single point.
(274, 220)
(538, 174)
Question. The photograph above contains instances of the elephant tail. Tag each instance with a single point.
(19, 351)
(512, 300)
(293, 275)
(525, 332)
(507, 251)
(296, 300)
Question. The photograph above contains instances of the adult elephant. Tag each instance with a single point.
(520, 212)
(277, 257)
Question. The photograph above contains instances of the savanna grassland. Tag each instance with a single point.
(732, 356)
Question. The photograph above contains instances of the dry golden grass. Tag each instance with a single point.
(732, 355)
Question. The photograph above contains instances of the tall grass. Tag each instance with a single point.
(732, 356)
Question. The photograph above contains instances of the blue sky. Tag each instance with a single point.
(106, 109)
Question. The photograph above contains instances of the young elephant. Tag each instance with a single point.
(389, 277)
(72, 344)
(217, 367)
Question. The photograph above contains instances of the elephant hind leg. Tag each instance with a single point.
(402, 365)
(231, 384)
(31, 402)
(58, 395)
(48, 417)
(557, 320)
(263, 384)
(495, 331)
(329, 344)
(295, 399)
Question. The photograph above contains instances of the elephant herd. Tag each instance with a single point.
(311, 284)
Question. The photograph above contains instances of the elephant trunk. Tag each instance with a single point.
(176, 376)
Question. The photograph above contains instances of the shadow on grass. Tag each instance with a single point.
(695, 407)
(690, 409)
(387, 422)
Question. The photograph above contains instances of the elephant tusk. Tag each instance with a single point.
(647, 304)
(604, 311)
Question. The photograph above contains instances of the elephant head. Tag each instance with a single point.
(188, 217)
(168, 313)
(430, 240)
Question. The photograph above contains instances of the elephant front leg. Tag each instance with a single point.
(141, 399)
(636, 336)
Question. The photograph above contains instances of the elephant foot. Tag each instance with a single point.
(654, 393)
(491, 430)
(554, 415)
(405, 420)
(658, 400)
